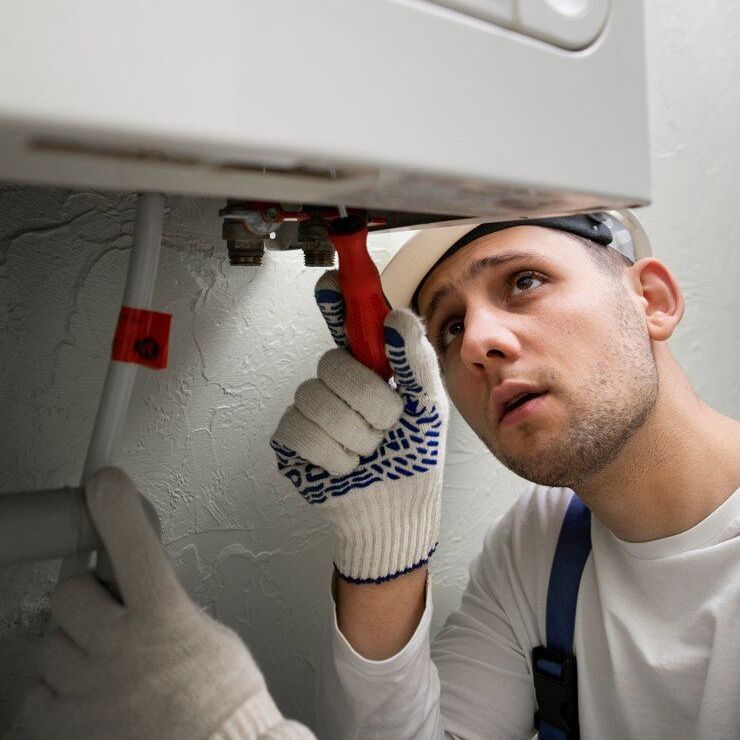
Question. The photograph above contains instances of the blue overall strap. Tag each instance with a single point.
(554, 666)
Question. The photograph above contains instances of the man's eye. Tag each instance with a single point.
(449, 330)
(523, 281)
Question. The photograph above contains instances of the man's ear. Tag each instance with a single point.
(659, 296)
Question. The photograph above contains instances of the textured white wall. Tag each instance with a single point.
(247, 548)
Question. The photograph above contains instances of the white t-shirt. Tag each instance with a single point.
(657, 640)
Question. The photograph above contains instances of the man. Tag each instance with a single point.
(557, 310)
(545, 309)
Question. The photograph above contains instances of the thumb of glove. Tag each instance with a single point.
(329, 299)
(413, 361)
(142, 570)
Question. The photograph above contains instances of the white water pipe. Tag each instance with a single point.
(119, 381)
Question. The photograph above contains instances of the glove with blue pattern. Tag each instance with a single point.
(370, 456)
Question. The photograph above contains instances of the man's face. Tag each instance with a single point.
(529, 304)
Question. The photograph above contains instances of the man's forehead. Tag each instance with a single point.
(487, 252)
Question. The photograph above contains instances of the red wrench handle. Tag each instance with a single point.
(365, 306)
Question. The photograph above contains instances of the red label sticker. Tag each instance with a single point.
(142, 336)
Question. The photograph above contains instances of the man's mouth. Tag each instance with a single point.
(512, 396)
(521, 406)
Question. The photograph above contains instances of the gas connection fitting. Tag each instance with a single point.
(250, 227)
(247, 230)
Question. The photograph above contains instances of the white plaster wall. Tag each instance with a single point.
(246, 547)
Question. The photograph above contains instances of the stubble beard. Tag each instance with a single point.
(619, 396)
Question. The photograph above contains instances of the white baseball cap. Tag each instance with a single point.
(404, 274)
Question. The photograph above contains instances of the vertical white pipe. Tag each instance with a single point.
(119, 381)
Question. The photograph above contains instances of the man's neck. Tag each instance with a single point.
(675, 471)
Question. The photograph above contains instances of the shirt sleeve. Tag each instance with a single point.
(474, 682)
(378, 699)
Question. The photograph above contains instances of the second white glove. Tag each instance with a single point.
(154, 668)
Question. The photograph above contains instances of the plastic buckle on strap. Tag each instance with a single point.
(556, 688)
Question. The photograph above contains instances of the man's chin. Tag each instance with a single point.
(531, 460)
(525, 441)
(534, 470)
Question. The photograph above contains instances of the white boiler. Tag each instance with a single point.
(461, 107)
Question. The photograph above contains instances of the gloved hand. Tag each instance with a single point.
(157, 667)
(371, 457)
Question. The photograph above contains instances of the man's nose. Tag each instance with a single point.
(488, 340)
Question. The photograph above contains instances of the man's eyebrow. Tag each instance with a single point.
(472, 271)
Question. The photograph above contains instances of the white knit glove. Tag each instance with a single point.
(157, 667)
(370, 456)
